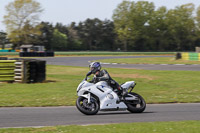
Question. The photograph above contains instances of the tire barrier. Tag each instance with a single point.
(7, 70)
(3, 58)
(194, 56)
(21, 71)
(188, 56)
(30, 71)
(36, 54)
(185, 56)
(178, 56)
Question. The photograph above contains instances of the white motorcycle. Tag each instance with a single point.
(101, 97)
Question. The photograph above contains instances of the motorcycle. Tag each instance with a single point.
(101, 97)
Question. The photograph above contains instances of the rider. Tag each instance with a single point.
(103, 75)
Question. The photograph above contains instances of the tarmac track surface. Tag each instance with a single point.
(84, 62)
(51, 116)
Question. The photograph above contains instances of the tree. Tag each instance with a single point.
(46, 35)
(198, 18)
(74, 40)
(89, 31)
(121, 21)
(158, 30)
(197, 42)
(131, 20)
(21, 14)
(181, 27)
(61, 28)
(140, 15)
(143, 28)
(59, 41)
(96, 34)
(3, 39)
(30, 34)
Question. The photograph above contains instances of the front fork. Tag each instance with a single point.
(89, 97)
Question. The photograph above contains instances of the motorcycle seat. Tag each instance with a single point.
(128, 84)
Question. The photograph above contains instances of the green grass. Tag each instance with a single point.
(153, 60)
(60, 90)
(9, 53)
(93, 53)
(147, 127)
(112, 53)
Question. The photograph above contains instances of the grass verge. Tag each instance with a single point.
(153, 60)
(93, 53)
(60, 89)
(111, 53)
(147, 127)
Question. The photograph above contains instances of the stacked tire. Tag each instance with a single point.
(3, 58)
(41, 71)
(36, 54)
(37, 71)
(30, 71)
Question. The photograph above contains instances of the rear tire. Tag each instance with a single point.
(87, 108)
(136, 107)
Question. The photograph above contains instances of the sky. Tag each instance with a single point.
(67, 11)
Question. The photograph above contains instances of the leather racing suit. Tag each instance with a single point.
(103, 75)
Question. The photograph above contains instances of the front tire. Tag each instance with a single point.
(136, 106)
(87, 108)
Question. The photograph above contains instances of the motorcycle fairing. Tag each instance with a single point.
(102, 91)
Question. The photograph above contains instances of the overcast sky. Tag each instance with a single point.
(67, 11)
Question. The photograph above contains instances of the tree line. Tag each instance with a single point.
(136, 26)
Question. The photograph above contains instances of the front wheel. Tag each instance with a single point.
(87, 108)
(136, 106)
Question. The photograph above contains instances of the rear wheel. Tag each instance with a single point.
(136, 106)
(87, 108)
